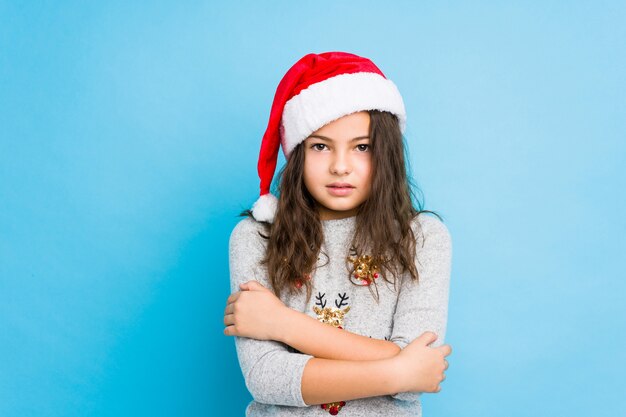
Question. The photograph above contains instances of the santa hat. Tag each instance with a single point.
(316, 90)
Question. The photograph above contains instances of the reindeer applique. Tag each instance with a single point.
(333, 316)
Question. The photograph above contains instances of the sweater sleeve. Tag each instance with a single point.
(423, 305)
(272, 374)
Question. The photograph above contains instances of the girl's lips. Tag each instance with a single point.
(339, 191)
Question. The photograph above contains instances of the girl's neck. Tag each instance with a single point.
(338, 221)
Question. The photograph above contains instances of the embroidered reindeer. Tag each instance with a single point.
(333, 316)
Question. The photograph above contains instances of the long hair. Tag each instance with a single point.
(383, 221)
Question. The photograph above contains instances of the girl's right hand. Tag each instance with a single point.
(420, 368)
(254, 312)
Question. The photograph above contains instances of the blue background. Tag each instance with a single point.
(129, 133)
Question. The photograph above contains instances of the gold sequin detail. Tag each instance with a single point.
(331, 315)
(366, 268)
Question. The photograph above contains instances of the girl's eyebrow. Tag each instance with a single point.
(330, 140)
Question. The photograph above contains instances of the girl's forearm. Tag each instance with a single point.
(312, 337)
(327, 380)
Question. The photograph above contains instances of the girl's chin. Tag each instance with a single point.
(335, 213)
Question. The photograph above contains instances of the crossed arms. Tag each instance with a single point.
(336, 364)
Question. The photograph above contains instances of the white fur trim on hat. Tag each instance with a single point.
(265, 208)
(335, 97)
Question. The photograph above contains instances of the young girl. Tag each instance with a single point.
(340, 286)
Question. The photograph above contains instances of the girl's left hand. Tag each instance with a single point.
(254, 312)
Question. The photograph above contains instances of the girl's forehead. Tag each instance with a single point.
(346, 128)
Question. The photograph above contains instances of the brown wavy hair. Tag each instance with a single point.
(383, 221)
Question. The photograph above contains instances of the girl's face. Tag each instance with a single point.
(338, 165)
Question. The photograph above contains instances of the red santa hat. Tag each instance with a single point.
(316, 90)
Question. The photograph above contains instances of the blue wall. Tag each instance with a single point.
(129, 133)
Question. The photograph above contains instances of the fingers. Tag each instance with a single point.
(233, 297)
(445, 349)
(229, 319)
(446, 364)
(230, 331)
(427, 338)
(251, 285)
(229, 322)
(443, 377)
(229, 316)
(230, 309)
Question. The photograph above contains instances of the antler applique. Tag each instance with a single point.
(342, 299)
(320, 300)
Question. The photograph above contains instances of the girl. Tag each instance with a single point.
(340, 286)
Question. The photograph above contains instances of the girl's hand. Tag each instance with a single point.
(254, 312)
(419, 367)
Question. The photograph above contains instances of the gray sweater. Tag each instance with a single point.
(273, 370)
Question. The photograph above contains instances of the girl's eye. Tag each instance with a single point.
(363, 147)
(318, 146)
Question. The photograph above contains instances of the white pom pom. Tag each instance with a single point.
(265, 208)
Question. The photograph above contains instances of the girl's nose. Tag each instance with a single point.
(340, 164)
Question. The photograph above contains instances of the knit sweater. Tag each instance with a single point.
(273, 371)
